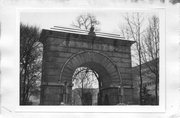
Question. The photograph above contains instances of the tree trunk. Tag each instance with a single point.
(156, 91)
(24, 84)
(140, 76)
(140, 60)
(82, 97)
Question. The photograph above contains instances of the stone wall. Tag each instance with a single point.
(59, 47)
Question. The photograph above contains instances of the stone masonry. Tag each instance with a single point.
(63, 52)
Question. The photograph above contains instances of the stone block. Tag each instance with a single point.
(85, 45)
(58, 54)
(123, 65)
(127, 82)
(128, 99)
(117, 54)
(124, 69)
(56, 59)
(54, 41)
(74, 50)
(122, 60)
(67, 72)
(51, 95)
(53, 72)
(52, 78)
(126, 75)
(52, 65)
(55, 48)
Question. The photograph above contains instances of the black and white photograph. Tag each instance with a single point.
(89, 58)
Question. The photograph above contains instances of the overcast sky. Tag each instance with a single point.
(109, 19)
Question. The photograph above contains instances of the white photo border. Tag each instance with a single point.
(94, 109)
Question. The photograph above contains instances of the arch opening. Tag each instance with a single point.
(85, 86)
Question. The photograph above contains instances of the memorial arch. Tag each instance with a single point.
(65, 51)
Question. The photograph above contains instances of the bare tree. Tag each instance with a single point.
(85, 21)
(134, 31)
(146, 47)
(84, 80)
(30, 62)
(150, 53)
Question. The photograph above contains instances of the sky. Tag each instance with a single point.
(109, 19)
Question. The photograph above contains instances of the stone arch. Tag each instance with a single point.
(108, 72)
